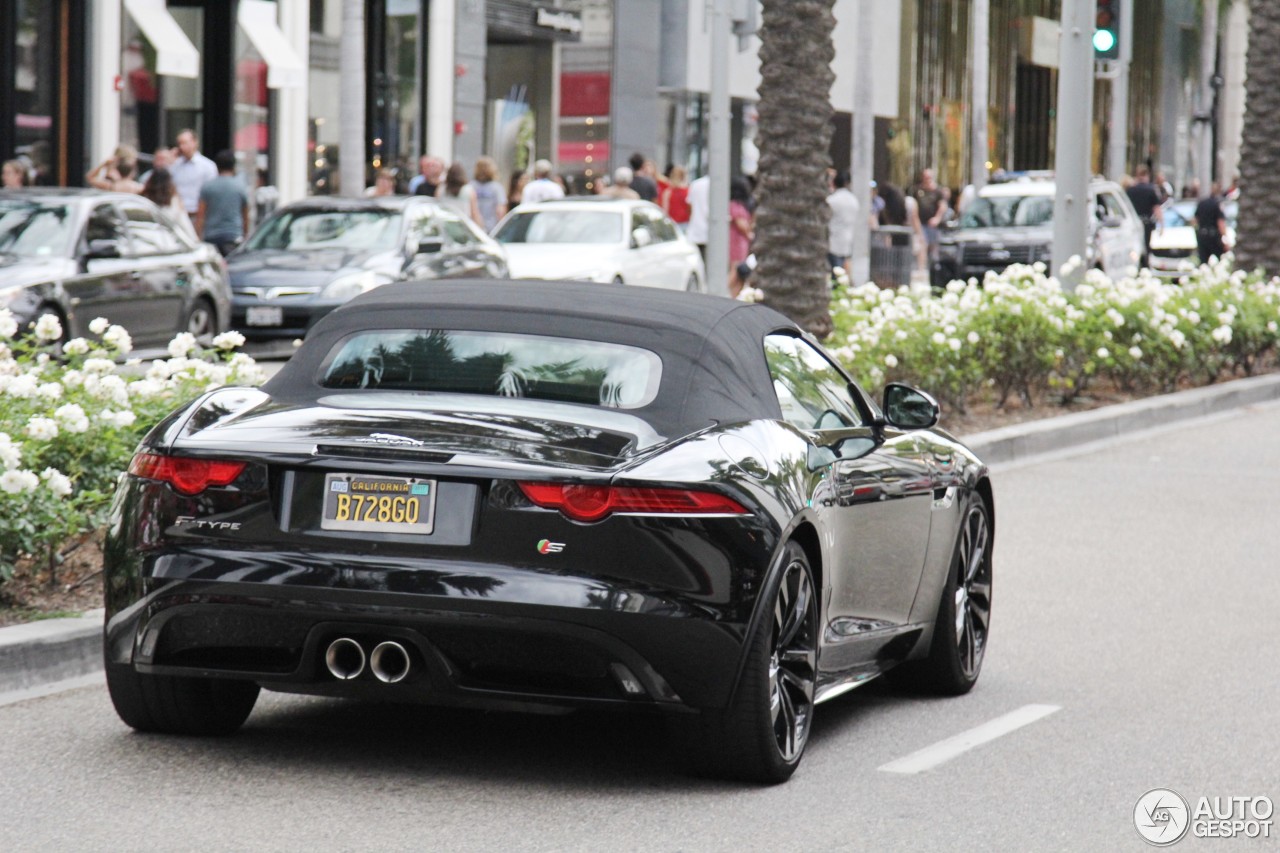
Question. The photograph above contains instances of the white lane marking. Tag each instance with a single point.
(93, 679)
(945, 750)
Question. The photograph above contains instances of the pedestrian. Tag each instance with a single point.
(427, 181)
(741, 231)
(159, 189)
(515, 187)
(932, 208)
(843, 223)
(1211, 226)
(1163, 187)
(542, 187)
(222, 212)
(491, 199)
(115, 173)
(699, 199)
(675, 198)
(384, 184)
(622, 178)
(161, 158)
(191, 171)
(13, 175)
(456, 194)
(642, 183)
(1146, 201)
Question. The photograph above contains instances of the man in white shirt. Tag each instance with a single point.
(191, 171)
(541, 188)
(844, 221)
(698, 199)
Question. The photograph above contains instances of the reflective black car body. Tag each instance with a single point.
(311, 256)
(805, 553)
(82, 254)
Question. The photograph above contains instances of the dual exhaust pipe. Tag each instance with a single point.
(388, 662)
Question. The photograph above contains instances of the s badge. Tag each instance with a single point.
(546, 546)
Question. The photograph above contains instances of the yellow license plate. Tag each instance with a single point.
(378, 504)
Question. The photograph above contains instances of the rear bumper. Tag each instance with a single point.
(477, 636)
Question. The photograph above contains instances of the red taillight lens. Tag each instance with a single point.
(592, 503)
(186, 475)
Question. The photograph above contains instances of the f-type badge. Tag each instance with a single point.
(546, 546)
(389, 438)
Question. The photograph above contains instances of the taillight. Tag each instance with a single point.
(592, 503)
(185, 474)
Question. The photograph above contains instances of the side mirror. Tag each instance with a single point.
(1111, 222)
(641, 238)
(908, 408)
(102, 249)
(430, 246)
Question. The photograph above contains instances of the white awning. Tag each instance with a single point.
(258, 20)
(176, 56)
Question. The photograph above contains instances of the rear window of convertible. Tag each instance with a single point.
(498, 364)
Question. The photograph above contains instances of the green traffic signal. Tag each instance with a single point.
(1104, 41)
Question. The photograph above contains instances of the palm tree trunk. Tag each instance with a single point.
(1260, 147)
(351, 99)
(795, 133)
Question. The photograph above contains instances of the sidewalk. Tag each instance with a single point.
(42, 657)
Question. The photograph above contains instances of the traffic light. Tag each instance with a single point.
(1106, 35)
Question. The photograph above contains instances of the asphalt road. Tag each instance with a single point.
(1135, 591)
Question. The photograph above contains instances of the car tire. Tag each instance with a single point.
(178, 705)
(202, 321)
(693, 285)
(963, 624)
(762, 735)
(617, 279)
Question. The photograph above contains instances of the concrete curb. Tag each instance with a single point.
(1022, 442)
(56, 650)
(50, 650)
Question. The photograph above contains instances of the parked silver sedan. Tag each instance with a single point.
(603, 240)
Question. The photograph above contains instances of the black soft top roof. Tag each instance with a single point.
(713, 366)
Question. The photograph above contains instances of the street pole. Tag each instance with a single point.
(351, 154)
(718, 146)
(1204, 115)
(864, 138)
(1072, 150)
(981, 53)
(1118, 138)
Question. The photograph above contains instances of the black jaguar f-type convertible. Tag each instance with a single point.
(549, 496)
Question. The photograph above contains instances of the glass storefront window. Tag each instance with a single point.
(252, 117)
(586, 76)
(35, 88)
(154, 107)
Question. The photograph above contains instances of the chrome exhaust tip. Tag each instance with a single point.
(344, 658)
(389, 662)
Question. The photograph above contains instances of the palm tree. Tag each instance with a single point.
(795, 131)
(1260, 148)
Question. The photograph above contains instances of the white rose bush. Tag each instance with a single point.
(70, 418)
(1020, 334)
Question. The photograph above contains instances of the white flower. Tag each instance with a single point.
(891, 360)
(8, 325)
(111, 388)
(974, 337)
(50, 391)
(58, 482)
(48, 328)
(42, 429)
(76, 346)
(1103, 352)
(118, 339)
(16, 482)
(1222, 334)
(73, 379)
(939, 339)
(182, 344)
(1135, 353)
(72, 418)
(10, 453)
(297, 342)
(98, 325)
(233, 339)
(954, 343)
(1271, 327)
(23, 387)
(99, 366)
(125, 418)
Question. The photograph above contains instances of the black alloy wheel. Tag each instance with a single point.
(762, 735)
(963, 623)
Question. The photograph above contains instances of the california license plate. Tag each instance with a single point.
(378, 504)
(264, 315)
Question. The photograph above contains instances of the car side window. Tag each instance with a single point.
(812, 392)
(423, 226)
(457, 230)
(662, 228)
(104, 224)
(148, 234)
(1112, 206)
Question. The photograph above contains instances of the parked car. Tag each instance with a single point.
(311, 256)
(602, 240)
(523, 495)
(1174, 243)
(1012, 223)
(80, 254)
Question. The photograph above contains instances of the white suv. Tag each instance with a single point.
(1012, 223)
